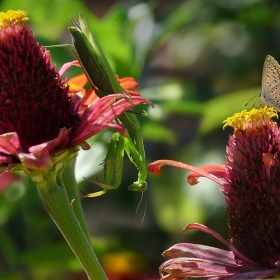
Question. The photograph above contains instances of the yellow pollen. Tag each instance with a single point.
(72, 87)
(251, 119)
(12, 17)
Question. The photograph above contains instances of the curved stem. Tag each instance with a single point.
(55, 199)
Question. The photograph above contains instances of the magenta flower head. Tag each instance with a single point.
(40, 121)
(252, 192)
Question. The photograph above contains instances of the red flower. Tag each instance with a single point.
(40, 118)
(251, 189)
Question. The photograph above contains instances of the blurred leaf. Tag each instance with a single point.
(8, 249)
(184, 107)
(158, 133)
(218, 109)
(50, 262)
(181, 16)
(49, 21)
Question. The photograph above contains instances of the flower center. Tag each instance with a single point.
(249, 120)
(12, 17)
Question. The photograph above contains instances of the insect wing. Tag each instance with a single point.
(271, 83)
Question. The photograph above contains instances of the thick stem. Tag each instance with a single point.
(69, 180)
(55, 199)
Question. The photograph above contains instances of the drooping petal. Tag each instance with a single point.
(201, 252)
(10, 144)
(155, 167)
(217, 170)
(102, 113)
(68, 65)
(38, 160)
(181, 268)
(204, 228)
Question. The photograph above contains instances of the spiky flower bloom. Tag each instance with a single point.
(252, 192)
(40, 119)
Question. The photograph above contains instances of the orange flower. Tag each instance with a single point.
(77, 86)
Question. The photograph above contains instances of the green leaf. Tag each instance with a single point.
(157, 132)
(218, 109)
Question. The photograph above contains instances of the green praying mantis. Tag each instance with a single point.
(103, 79)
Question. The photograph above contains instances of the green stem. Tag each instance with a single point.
(55, 199)
(69, 180)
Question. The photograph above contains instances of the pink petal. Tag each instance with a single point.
(94, 129)
(156, 166)
(40, 157)
(39, 160)
(204, 228)
(67, 65)
(201, 252)
(103, 111)
(10, 144)
(60, 142)
(184, 267)
(217, 170)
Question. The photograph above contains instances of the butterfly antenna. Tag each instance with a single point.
(258, 94)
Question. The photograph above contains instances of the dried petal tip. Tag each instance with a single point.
(12, 17)
(254, 118)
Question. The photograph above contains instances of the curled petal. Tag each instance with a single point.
(67, 65)
(10, 144)
(123, 105)
(181, 268)
(60, 142)
(105, 110)
(39, 160)
(244, 259)
(38, 156)
(201, 252)
(94, 129)
(217, 170)
(156, 166)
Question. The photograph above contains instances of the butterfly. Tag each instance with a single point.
(270, 94)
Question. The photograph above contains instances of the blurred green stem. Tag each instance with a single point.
(55, 198)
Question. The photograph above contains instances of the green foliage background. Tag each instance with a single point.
(199, 62)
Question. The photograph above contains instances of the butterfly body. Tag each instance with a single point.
(270, 94)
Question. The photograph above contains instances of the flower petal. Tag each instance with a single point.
(201, 252)
(181, 268)
(156, 166)
(58, 143)
(204, 228)
(103, 111)
(10, 144)
(67, 65)
(38, 160)
(217, 170)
